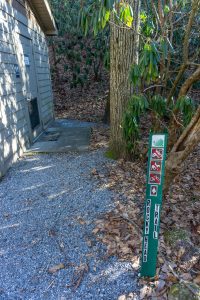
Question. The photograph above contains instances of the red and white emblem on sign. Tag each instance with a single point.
(154, 190)
(157, 153)
(155, 178)
(155, 166)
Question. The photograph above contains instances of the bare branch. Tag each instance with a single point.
(161, 13)
(195, 5)
(189, 82)
(153, 86)
(181, 150)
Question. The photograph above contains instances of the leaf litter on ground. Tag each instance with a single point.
(121, 229)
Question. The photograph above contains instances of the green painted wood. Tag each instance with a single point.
(153, 203)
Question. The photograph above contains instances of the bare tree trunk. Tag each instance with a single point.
(124, 43)
(181, 150)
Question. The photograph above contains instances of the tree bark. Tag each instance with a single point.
(124, 44)
(181, 150)
(106, 117)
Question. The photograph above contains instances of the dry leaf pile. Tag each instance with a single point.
(99, 137)
(85, 103)
(179, 242)
(84, 106)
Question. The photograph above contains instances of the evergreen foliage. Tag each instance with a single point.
(81, 57)
(168, 55)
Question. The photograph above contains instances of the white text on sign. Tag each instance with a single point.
(156, 220)
(147, 221)
(145, 251)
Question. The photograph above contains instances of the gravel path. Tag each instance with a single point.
(48, 206)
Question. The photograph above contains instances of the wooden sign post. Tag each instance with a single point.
(155, 180)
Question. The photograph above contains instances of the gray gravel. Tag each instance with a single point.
(41, 199)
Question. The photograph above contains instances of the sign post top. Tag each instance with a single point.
(158, 140)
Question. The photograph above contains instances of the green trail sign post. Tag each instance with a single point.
(155, 180)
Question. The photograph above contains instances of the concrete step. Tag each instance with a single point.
(63, 136)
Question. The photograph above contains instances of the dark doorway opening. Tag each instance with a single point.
(34, 113)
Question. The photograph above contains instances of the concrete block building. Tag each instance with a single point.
(26, 100)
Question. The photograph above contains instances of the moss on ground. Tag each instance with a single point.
(110, 154)
(174, 235)
(182, 292)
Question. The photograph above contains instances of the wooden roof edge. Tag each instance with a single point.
(44, 16)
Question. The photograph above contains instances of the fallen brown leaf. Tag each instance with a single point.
(95, 230)
(197, 279)
(81, 221)
(172, 278)
(56, 268)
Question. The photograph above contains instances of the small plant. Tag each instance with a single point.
(111, 155)
(131, 129)
(186, 107)
(157, 106)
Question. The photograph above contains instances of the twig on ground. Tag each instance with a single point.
(78, 276)
(162, 292)
(49, 286)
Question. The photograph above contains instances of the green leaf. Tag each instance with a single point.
(129, 21)
(86, 26)
(166, 9)
(143, 16)
(186, 106)
(107, 15)
(158, 105)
